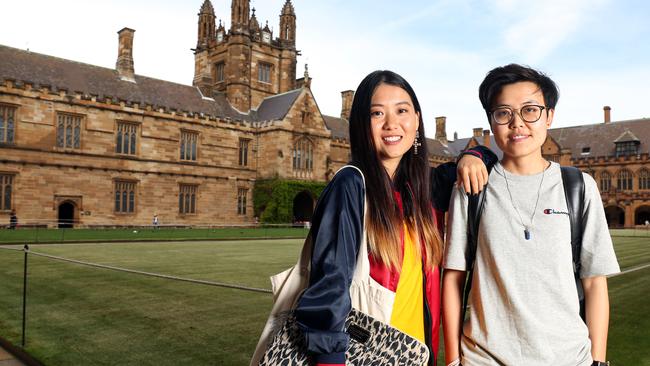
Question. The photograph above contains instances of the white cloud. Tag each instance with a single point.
(445, 80)
(536, 29)
(583, 96)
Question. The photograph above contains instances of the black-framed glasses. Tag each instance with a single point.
(529, 113)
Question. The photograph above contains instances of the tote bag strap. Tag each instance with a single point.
(362, 269)
(304, 262)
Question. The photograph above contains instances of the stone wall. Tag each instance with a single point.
(46, 175)
(630, 201)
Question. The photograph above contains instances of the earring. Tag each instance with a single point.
(416, 142)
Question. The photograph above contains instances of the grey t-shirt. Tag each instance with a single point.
(524, 307)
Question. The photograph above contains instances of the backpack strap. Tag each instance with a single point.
(474, 210)
(574, 192)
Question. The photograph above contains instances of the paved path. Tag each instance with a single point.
(7, 359)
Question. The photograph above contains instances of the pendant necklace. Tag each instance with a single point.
(526, 228)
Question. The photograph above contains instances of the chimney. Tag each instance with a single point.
(441, 129)
(478, 132)
(346, 106)
(124, 63)
(608, 113)
(455, 136)
(486, 138)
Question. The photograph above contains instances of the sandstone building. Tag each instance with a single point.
(85, 145)
(93, 146)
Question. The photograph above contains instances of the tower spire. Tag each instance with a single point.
(240, 16)
(288, 24)
(254, 24)
(206, 24)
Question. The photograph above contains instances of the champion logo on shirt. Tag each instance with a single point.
(550, 211)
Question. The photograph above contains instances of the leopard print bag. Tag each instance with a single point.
(372, 343)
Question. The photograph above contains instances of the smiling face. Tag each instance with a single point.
(520, 141)
(393, 121)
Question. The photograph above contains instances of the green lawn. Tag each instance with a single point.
(638, 232)
(629, 332)
(79, 315)
(29, 236)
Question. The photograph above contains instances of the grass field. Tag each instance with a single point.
(29, 236)
(79, 315)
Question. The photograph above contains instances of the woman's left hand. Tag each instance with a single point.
(472, 174)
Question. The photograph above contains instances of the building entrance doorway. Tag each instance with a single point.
(66, 215)
(303, 207)
(642, 215)
(615, 216)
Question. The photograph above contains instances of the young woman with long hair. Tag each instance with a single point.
(405, 201)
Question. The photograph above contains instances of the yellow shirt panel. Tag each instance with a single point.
(408, 310)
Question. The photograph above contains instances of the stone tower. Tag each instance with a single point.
(246, 64)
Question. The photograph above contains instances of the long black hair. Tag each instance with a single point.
(411, 180)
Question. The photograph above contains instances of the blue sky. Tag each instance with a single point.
(597, 50)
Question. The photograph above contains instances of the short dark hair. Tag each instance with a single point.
(501, 76)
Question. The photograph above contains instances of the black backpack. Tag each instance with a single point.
(574, 190)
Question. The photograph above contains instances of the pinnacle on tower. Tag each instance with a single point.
(288, 24)
(207, 8)
(254, 24)
(206, 24)
(240, 15)
(307, 79)
(287, 9)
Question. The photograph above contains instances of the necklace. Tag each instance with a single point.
(532, 217)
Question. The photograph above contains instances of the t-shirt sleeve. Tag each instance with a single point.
(597, 256)
(456, 231)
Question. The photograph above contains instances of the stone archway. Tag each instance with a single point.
(303, 207)
(66, 215)
(615, 216)
(641, 215)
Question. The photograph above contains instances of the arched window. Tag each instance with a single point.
(624, 180)
(644, 179)
(605, 181)
(303, 155)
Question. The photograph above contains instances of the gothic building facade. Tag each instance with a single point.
(84, 145)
